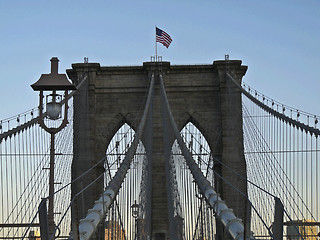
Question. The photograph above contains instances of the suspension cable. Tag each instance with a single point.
(89, 224)
(275, 113)
(232, 224)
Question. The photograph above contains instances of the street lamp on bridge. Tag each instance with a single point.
(53, 82)
(135, 214)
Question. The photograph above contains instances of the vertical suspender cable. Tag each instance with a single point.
(317, 176)
(306, 170)
(2, 164)
(311, 175)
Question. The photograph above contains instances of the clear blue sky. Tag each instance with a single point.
(278, 40)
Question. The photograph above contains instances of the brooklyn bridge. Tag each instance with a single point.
(158, 151)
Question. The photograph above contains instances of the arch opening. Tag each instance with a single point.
(120, 220)
(197, 218)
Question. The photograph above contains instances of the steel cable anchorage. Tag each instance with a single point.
(89, 224)
(232, 224)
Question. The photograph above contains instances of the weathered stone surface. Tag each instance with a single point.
(196, 93)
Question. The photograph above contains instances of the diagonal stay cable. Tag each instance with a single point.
(75, 196)
(282, 117)
(71, 202)
(278, 169)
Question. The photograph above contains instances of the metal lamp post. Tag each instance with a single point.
(135, 213)
(53, 82)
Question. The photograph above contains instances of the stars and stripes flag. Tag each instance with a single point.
(163, 37)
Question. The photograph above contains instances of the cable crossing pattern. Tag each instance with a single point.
(282, 159)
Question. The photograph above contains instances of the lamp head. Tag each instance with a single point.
(53, 106)
(53, 81)
(135, 209)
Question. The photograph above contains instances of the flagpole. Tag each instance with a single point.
(156, 43)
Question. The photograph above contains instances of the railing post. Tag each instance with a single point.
(43, 219)
(277, 227)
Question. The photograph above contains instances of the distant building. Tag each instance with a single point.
(307, 229)
(34, 235)
(113, 231)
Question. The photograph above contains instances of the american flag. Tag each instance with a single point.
(163, 37)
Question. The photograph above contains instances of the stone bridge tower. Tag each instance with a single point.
(200, 94)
